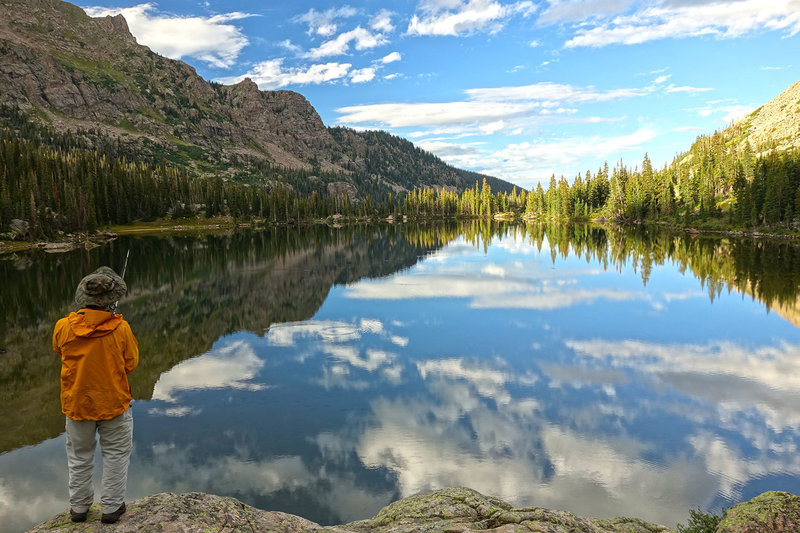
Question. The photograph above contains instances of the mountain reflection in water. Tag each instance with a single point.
(328, 372)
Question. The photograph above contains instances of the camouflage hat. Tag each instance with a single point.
(102, 288)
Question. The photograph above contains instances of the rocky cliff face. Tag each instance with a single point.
(80, 72)
(74, 72)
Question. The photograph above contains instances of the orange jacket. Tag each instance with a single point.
(97, 351)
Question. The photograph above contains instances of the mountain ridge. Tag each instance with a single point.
(776, 122)
(76, 73)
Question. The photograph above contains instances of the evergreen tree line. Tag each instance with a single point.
(58, 183)
(718, 177)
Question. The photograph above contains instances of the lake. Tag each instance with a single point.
(326, 372)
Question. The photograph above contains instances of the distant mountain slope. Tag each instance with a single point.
(773, 127)
(76, 73)
(776, 123)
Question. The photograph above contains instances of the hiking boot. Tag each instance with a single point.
(78, 517)
(111, 518)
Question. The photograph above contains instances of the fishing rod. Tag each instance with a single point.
(124, 268)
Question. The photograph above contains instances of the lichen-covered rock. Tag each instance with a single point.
(194, 511)
(771, 512)
(461, 509)
(448, 510)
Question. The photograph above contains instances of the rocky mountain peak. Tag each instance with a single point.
(75, 73)
(247, 85)
(119, 26)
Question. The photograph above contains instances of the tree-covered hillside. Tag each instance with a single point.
(720, 178)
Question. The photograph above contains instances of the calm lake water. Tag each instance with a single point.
(327, 372)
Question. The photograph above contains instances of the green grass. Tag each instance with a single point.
(97, 72)
(127, 125)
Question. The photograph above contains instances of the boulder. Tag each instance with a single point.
(770, 512)
(59, 247)
(342, 190)
(18, 229)
(452, 509)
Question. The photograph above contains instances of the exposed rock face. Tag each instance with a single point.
(451, 510)
(776, 121)
(771, 512)
(74, 72)
(341, 190)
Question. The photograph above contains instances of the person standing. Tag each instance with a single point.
(98, 351)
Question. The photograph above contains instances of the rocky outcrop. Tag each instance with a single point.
(454, 509)
(194, 511)
(75, 73)
(771, 512)
(446, 510)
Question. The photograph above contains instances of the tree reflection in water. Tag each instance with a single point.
(514, 378)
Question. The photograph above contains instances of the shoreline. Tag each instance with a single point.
(88, 241)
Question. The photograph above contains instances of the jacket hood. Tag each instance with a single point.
(93, 323)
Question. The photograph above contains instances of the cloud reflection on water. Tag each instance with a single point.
(513, 404)
(232, 366)
(514, 284)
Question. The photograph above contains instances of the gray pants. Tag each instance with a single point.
(116, 443)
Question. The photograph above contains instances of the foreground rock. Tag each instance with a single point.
(446, 510)
(771, 512)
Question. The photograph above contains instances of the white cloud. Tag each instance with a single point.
(457, 17)
(766, 378)
(340, 45)
(391, 58)
(269, 75)
(374, 359)
(555, 299)
(285, 334)
(488, 382)
(362, 75)
(399, 341)
(580, 10)
(290, 46)
(685, 89)
(434, 286)
(445, 149)
(549, 93)
(382, 21)
(486, 110)
(510, 451)
(519, 287)
(233, 366)
(400, 115)
(735, 112)
(324, 22)
(210, 39)
(732, 112)
(717, 19)
(528, 162)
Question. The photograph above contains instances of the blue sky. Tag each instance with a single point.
(515, 89)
